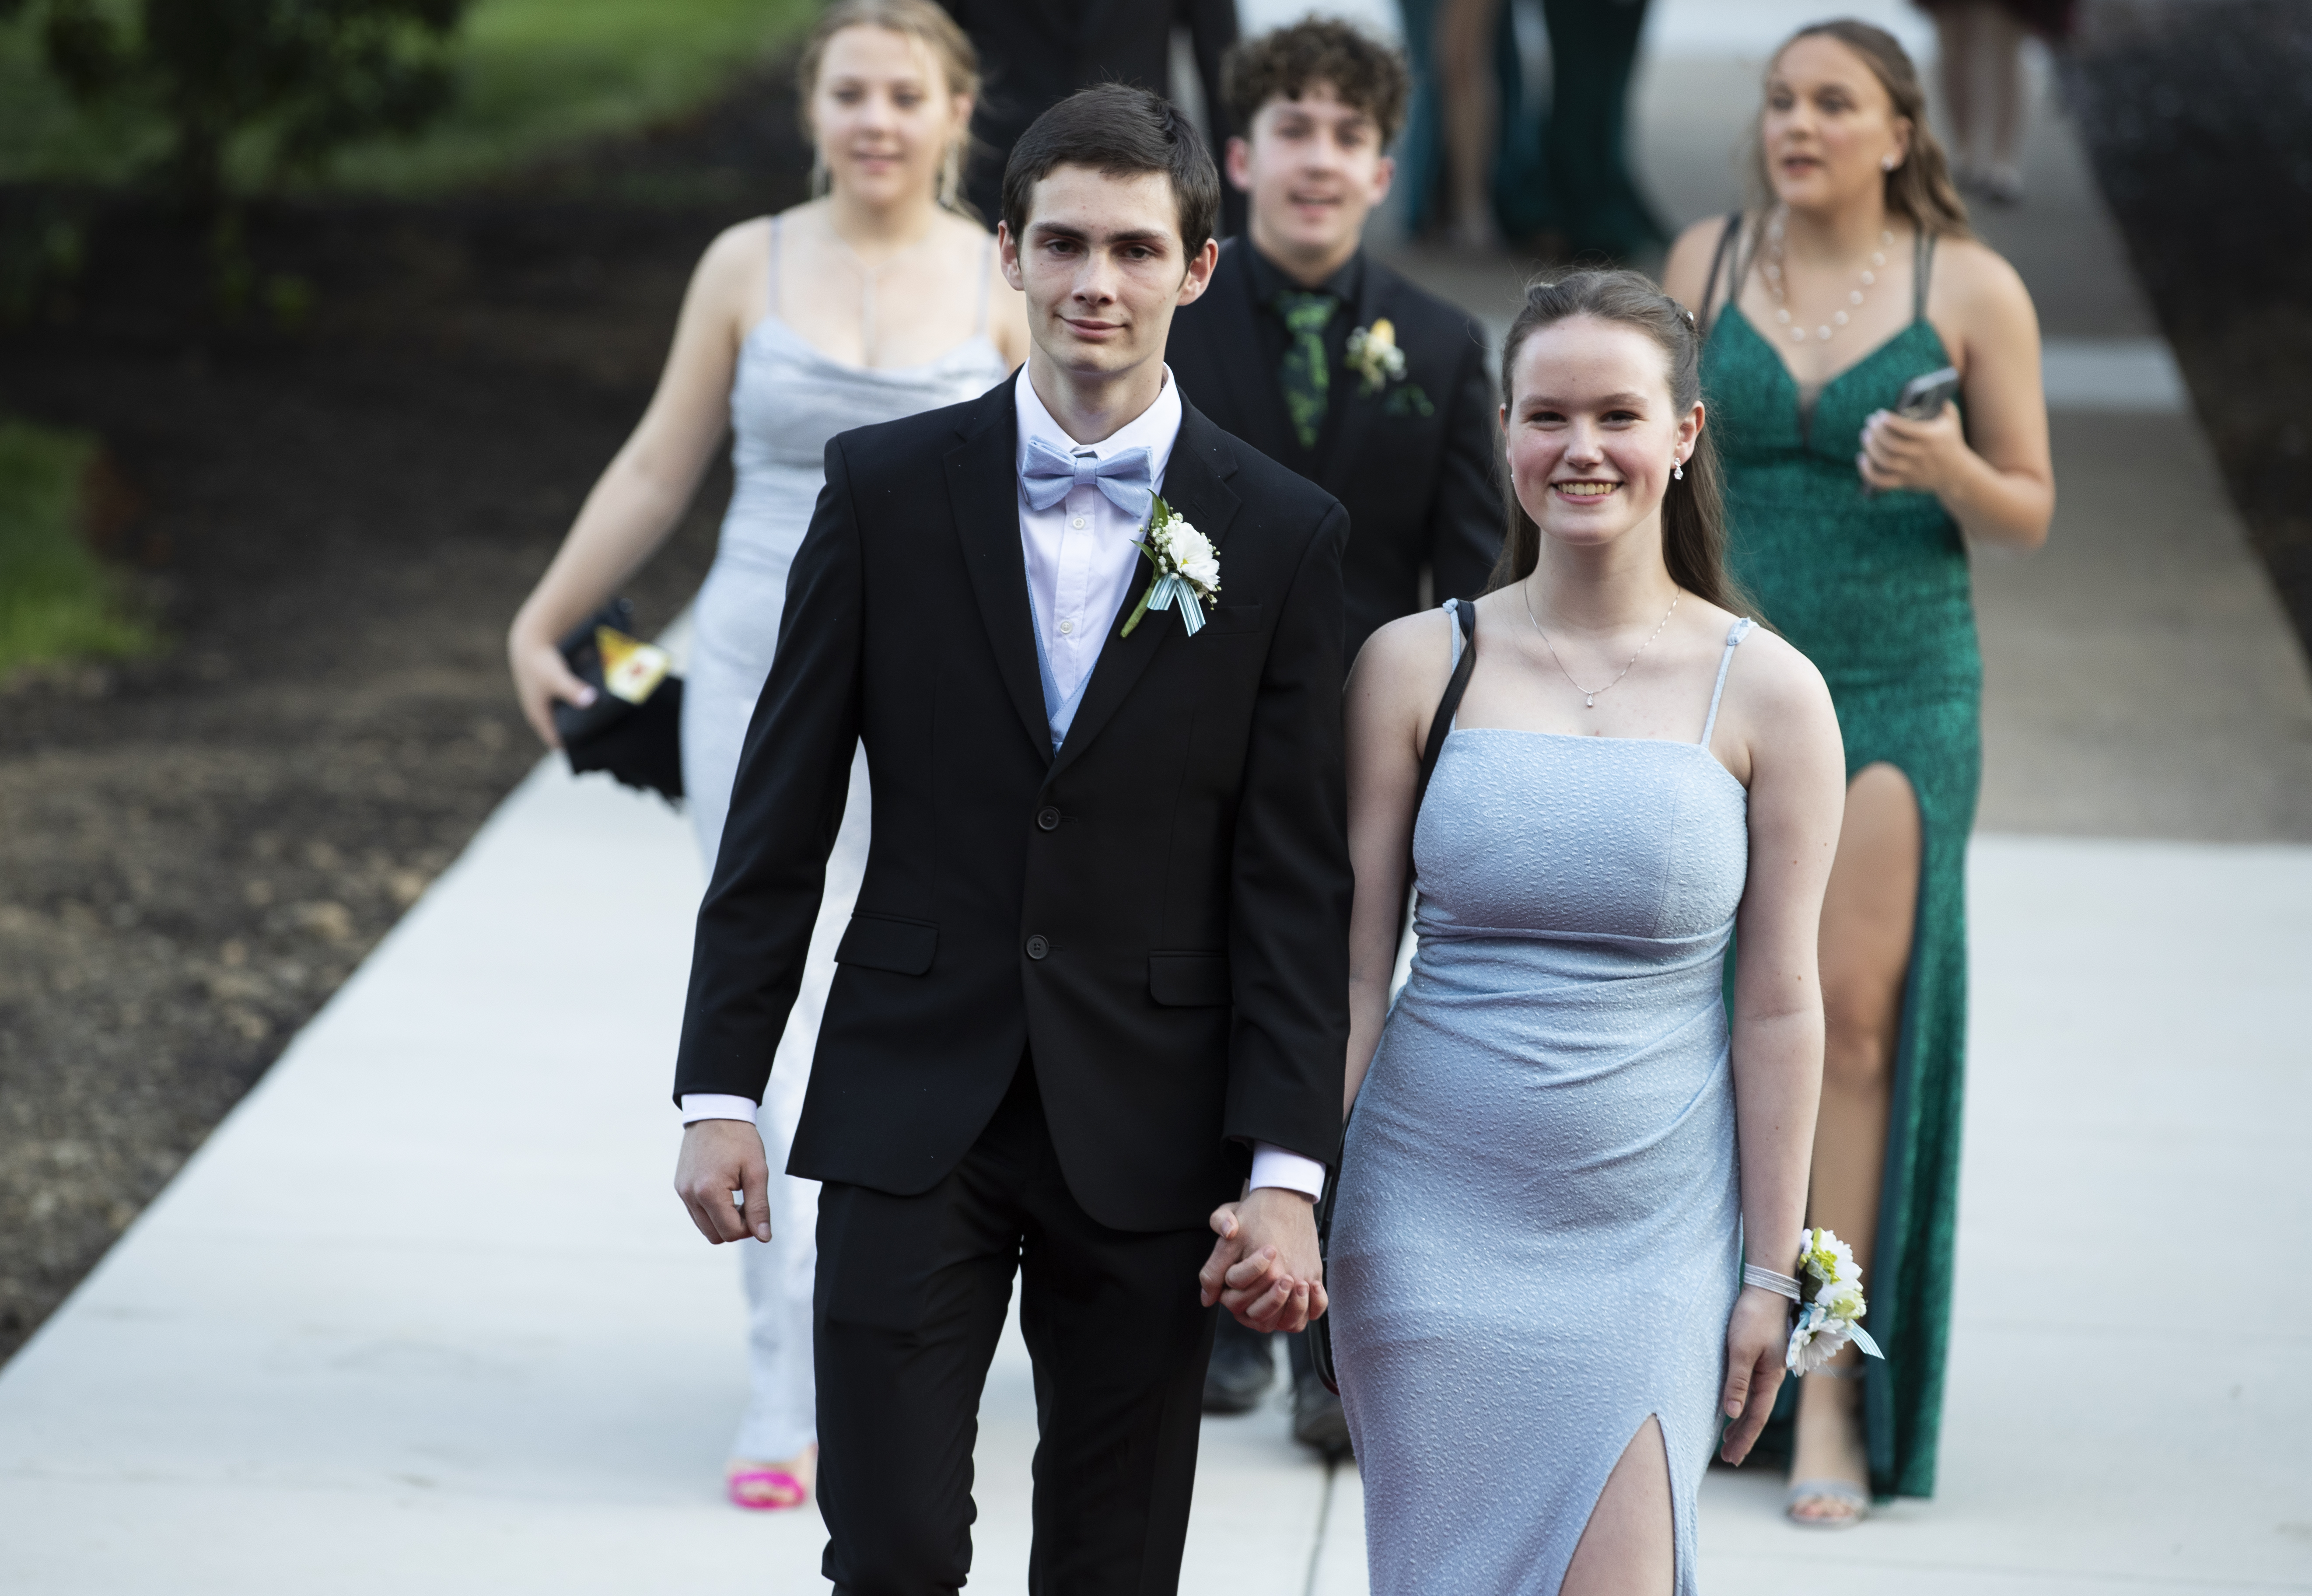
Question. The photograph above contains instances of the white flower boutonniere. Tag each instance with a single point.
(1188, 570)
(1374, 356)
(1830, 1301)
(1379, 365)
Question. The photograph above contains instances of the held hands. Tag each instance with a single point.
(1923, 455)
(1264, 1268)
(542, 679)
(1758, 1336)
(720, 1157)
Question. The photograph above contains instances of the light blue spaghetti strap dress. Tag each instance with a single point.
(1539, 1234)
(787, 399)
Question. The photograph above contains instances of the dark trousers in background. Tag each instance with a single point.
(910, 1300)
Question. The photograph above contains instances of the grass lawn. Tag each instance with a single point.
(535, 73)
(56, 598)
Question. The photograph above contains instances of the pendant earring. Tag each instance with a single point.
(1678, 471)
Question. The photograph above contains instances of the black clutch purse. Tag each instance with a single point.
(1320, 1330)
(634, 727)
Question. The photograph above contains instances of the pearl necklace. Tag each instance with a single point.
(1589, 694)
(1774, 286)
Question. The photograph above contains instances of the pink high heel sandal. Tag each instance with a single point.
(767, 1490)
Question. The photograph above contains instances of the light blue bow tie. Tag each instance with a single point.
(1124, 478)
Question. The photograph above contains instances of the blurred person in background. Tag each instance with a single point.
(1981, 47)
(876, 300)
(1036, 53)
(1853, 274)
(1541, 164)
(1329, 363)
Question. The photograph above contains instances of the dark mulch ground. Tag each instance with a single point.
(336, 524)
(2199, 119)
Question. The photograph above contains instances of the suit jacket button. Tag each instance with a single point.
(1037, 947)
(1048, 818)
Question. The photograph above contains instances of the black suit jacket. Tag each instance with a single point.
(1420, 489)
(1158, 913)
(1036, 53)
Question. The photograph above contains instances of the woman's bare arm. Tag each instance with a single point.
(1798, 790)
(649, 483)
(1392, 691)
(1994, 472)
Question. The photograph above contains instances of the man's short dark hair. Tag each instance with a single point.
(1119, 131)
(1365, 74)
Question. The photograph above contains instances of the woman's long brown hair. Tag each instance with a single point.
(1692, 511)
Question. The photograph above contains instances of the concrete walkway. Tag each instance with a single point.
(425, 1314)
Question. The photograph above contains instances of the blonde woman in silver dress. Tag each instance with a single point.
(877, 300)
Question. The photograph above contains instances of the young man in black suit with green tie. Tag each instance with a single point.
(1331, 363)
(1320, 355)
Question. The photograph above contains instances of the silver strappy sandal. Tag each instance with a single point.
(1841, 1491)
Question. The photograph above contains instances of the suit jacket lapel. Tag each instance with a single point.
(1353, 426)
(984, 489)
(1256, 389)
(1196, 486)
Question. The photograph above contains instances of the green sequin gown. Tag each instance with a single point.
(1875, 591)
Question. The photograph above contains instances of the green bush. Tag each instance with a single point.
(527, 76)
(299, 78)
(58, 600)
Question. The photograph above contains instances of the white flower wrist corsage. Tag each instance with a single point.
(1828, 1291)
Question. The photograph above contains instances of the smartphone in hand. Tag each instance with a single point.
(1923, 398)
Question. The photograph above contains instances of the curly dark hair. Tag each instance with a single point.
(1365, 74)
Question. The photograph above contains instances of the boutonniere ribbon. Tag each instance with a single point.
(1188, 570)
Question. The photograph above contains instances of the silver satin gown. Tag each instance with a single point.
(1538, 1237)
(787, 399)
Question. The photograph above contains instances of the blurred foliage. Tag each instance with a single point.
(523, 77)
(58, 599)
(296, 80)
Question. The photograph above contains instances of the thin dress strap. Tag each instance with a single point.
(774, 266)
(986, 272)
(1734, 635)
(1726, 236)
(1922, 266)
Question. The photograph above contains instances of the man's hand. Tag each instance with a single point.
(1264, 1268)
(720, 1157)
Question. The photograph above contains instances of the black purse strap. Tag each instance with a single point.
(1447, 707)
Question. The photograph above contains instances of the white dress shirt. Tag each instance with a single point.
(1082, 555)
(1084, 551)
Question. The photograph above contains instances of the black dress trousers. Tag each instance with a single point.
(910, 1300)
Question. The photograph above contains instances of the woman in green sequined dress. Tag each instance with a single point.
(1854, 273)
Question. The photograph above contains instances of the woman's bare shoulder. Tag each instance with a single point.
(739, 254)
(1412, 652)
(1778, 682)
(1686, 270)
(1975, 279)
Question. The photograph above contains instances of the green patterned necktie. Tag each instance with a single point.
(1307, 374)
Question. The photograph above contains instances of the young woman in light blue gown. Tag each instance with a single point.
(876, 300)
(1559, 1157)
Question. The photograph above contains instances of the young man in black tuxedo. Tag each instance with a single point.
(1273, 352)
(1287, 348)
(1096, 982)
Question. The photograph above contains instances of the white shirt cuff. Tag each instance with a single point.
(715, 1105)
(1272, 1166)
